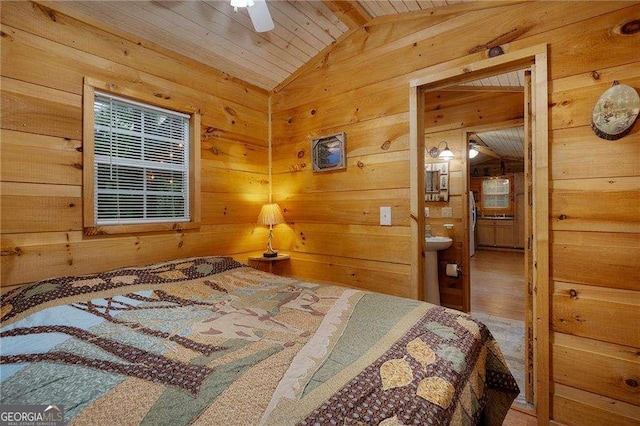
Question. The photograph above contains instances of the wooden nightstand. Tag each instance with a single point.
(264, 260)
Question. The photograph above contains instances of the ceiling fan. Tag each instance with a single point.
(258, 12)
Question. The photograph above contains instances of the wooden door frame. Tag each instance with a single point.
(467, 69)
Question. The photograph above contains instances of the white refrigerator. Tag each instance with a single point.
(473, 218)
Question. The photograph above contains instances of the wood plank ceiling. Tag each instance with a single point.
(507, 143)
(209, 31)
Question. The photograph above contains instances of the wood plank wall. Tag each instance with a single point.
(45, 56)
(361, 87)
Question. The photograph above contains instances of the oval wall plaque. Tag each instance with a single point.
(615, 112)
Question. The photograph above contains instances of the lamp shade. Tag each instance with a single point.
(473, 152)
(446, 154)
(270, 214)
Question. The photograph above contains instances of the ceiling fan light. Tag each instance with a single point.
(473, 152)
(260, 16)
(241, 3)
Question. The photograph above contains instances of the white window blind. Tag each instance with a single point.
(141, 163)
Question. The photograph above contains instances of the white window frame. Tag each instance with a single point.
(94, 226)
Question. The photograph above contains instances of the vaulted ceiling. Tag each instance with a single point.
(210, 32)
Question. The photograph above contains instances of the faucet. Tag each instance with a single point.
(427, 231)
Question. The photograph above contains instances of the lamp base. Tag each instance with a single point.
(270, 254)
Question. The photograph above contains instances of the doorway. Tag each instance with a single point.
(499, 209)
(499, 212)
(488, 139)
(458, 72)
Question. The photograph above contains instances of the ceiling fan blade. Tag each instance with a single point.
(260, 16)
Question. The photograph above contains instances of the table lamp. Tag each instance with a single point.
(270, 215)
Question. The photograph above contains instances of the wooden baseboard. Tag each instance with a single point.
(523, 409)
(513, 249)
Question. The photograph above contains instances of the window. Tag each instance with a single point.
(142, 169)
(496, 193)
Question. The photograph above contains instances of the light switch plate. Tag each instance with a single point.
(426, 212)
(447, 212)
(385, 216)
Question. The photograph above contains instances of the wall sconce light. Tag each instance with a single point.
(270, 215)
(473, 151)
(445, 154)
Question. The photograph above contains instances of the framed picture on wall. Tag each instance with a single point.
(444, 182)
(329, 152)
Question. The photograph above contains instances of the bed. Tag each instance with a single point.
(210, 341)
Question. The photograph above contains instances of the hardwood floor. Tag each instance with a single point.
(497, 283)
(518, 418)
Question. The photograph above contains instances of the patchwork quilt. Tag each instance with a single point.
(209, 341)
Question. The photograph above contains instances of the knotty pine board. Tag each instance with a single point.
(569, 160)
(28, 157)
(602, 259)
(586, 205)
(575, 407)
(584, 310)
(597, 367)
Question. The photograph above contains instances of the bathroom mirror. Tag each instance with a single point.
(432, 182)
(436, 178)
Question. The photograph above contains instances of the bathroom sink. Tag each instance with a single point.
(437, 243)
(432, 287)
